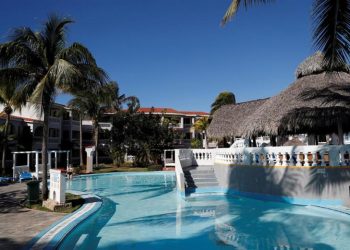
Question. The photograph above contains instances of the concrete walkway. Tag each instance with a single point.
(18, 225)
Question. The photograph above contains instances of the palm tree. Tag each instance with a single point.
(79, 105)
(95, 104)
(11, 101)
(223, 98)
(201, 125)
(331, 27)
(51, 67)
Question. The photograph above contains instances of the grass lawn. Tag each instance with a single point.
(76, 201)
(111, 168)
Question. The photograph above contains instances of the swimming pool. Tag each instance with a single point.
(143, 211)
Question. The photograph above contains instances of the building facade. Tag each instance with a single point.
(64, 128)
(181, 122)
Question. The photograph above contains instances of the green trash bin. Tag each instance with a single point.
(33, 191)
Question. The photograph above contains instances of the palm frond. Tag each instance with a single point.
(77, 53)
(38, 93)
(54, 36)
(133, 103)
(235, 5)
(64, 75)
(332, 31)
(26, 36)
(15, 54)
(13, 76)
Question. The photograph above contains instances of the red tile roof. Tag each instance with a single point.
(171, 111)
(14, 117)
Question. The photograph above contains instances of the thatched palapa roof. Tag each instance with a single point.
(228, 119)
(279, 114)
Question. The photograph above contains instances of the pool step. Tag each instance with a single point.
(197, 177)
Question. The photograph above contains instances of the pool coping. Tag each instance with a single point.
(52, 236)
(127, 173)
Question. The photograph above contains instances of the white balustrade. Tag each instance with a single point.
(307, 156)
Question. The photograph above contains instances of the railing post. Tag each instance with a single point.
(284, 159)
(37, 164)
(306, 160)
(298, 162)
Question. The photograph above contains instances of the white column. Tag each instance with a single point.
(28, 159)
(67, 159)
(37, 164)
(55, 159)
(181, 122)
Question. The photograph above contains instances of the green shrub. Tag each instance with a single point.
(196, 143)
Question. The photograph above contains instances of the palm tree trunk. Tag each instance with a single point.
(96, 142)
(81, 140)
(44, 152)
(4, 146)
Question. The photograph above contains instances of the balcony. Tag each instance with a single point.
(54, 140)
(105, 125)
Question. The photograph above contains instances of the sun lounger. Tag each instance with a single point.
(25, 176)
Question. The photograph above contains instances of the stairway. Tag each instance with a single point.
(199, 177)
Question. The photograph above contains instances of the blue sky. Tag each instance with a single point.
(173, 53)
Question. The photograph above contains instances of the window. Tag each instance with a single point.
(187, 121)
(87, 136)
(65, 135)
(38, 131)
(75, 134)
(66, 116)
(188, 136)
(54, 132)
(75, 116)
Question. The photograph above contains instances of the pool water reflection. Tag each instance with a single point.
(143, 211)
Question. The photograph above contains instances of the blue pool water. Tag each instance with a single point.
(143, 211)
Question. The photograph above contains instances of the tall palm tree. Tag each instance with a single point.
(223, 98)
(51, 66)
(95, 104)
(11, 100)
(331, 27)
(79, 104)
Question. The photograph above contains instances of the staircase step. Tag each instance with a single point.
(197, 177)
(203, 184)
(202, 175)
(203, 179)
(199, 172)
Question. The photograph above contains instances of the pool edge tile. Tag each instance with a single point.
(52, 236)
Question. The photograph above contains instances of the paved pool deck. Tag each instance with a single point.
(18, 225)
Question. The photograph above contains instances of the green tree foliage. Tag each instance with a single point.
(223, 98)
(45, 65)
(331, 27)
(196, 143)
(141, 135)
(94, 105)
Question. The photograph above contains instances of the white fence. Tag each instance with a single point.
(325, 155)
